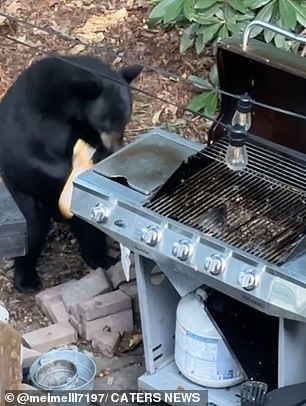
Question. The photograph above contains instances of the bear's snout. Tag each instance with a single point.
(111, 141)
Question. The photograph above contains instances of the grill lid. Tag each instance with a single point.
(269, 75)
(146, 164)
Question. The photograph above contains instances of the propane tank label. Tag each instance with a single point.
(203, 357)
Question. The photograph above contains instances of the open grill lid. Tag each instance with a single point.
(275, 178)
(269, 75)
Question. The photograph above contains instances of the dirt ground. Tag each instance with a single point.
(117, 31)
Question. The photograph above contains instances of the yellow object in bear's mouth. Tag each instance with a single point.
(81, 161)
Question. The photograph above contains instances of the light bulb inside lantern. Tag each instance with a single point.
(242, 115)
(236, 157)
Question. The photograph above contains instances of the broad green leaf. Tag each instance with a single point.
(300, 11)
(192, 29)
(199, 102)
(237, 5)
(280, 41)
(205, 3)
(188, 9)
(287, 13)
(220, 14)
(159, 10)
(264, 14)
(201, 18)
(223, 32)
(206, 27)
(209, 32)
(173, 11)
(186, 42)
(210, 11)
(199, 43)
(246, 17)
(235, 28)
(254, 4)
(301, 14)
(301, 19)
(229, 14)
(297, 6)
(211, 104)
(268, 35)
(199, 82)
(213, 75)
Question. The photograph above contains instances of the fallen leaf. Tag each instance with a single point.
(156, 116)
(77, 49)
(172, 109)
(135, 340)
(13, 7)
(129, 341)
(3, 20)
(103, 372)
(94, 27)
(117, 60)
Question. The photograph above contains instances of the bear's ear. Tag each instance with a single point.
(130, 73)
(86, 85)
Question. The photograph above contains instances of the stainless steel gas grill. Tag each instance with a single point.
(179, 208)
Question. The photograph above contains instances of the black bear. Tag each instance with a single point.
(52, 104)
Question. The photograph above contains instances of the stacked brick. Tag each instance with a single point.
(99, 308)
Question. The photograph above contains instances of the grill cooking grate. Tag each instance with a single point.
(261, 210)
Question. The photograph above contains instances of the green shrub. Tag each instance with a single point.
(206, 21)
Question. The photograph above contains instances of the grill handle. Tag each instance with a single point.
(271, 27)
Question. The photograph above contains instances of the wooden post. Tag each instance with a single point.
(10, 368)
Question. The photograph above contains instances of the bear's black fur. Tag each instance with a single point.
(55, 101)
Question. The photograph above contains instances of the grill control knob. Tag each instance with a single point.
(214, 264)
(248, 279)
(150, 235)
(181, 249)
(99, 213)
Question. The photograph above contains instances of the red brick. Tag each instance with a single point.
(51, 294)
(116, 276)
(58, 313)
(85, 288)
(130, 289)
(117, 323)
(29, 356)
(47, 338)
(106, 342)
(104, 305)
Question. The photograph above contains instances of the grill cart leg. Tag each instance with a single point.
(157, 302)
(291, 352)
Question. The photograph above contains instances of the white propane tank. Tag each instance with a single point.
(201, 354)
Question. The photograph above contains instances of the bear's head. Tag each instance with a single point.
(110, 112)
(88, 95)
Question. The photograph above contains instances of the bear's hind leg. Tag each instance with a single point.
(26, 278)
(92, 243)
